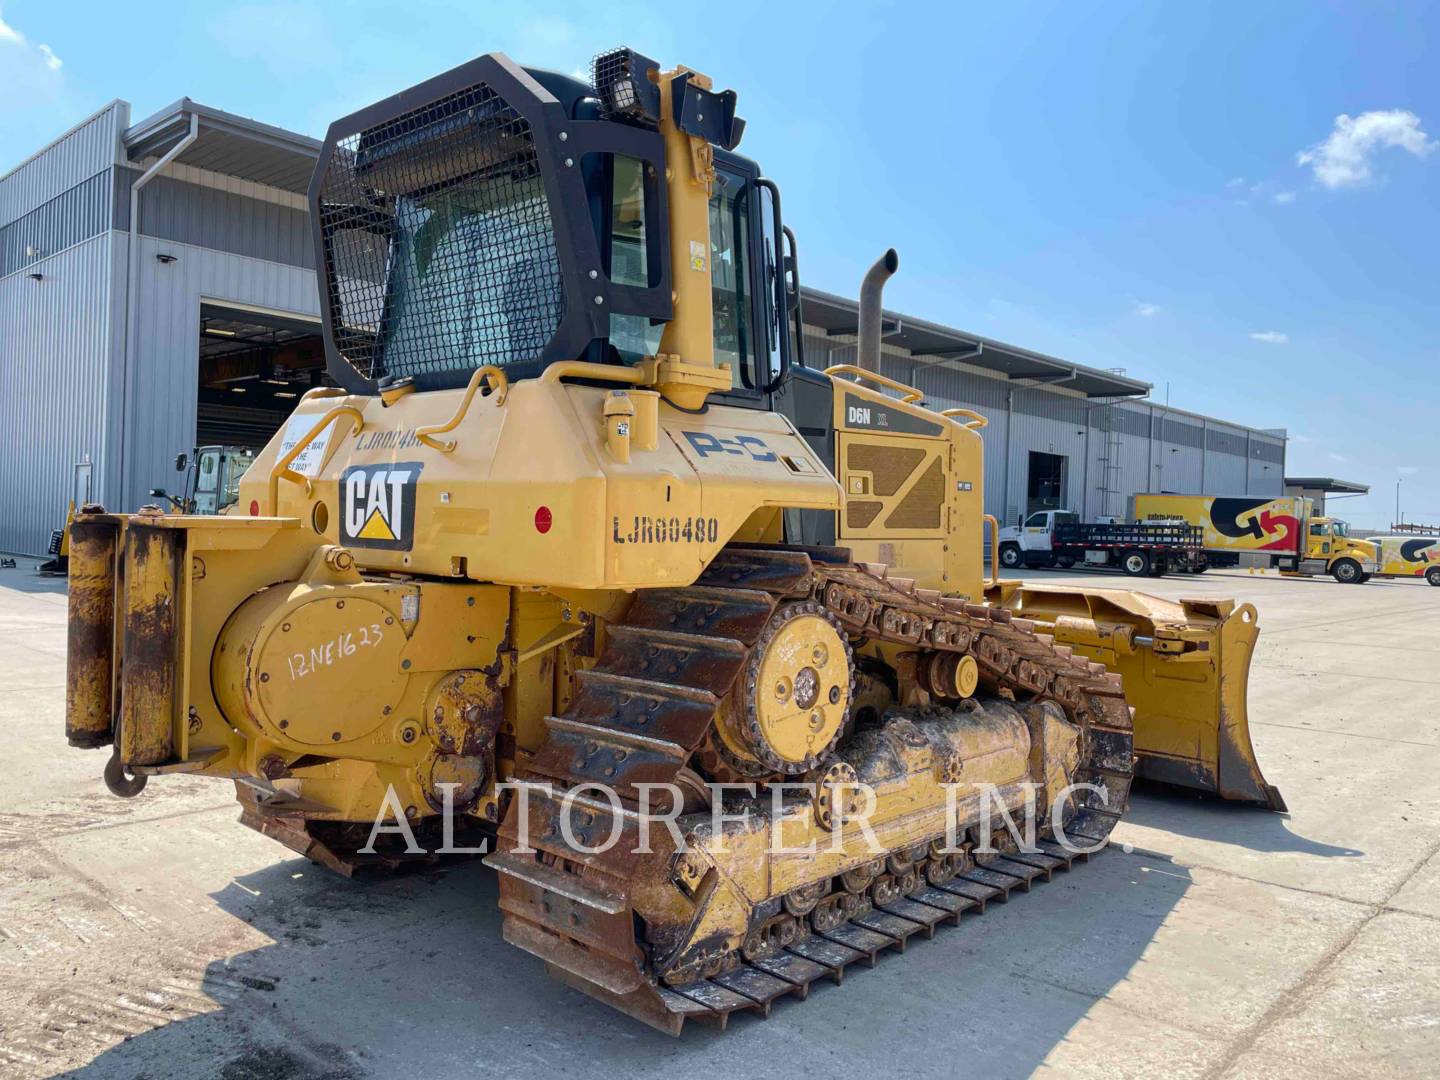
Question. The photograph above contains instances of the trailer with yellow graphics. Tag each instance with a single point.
(1282, 532)
(1409, 556)
(580, 537)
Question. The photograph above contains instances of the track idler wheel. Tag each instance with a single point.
(794, 702)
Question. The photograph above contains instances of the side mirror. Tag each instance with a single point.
(180, 462)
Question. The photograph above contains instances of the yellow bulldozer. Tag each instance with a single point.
(582, 560)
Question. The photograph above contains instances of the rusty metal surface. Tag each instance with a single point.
(90, 645)
(151, 613)
(646, 707)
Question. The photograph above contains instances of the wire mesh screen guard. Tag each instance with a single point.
(439, 243)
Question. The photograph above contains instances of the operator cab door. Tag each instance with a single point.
(1319, 539)
(740, 266)
(1037, 532)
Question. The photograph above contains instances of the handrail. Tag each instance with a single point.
(994, 524)
(282, 470)
(911, 394)
(499, 387)
(581, 369)
(976, 420)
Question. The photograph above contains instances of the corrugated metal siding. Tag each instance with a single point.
(54, 354)
(87, 149)
(72, 216)
(1225, 475)
(225, 220)
(160, 420)
(1151, 449)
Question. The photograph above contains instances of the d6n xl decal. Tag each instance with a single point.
(377, 505)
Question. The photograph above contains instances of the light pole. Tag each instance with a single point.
(1398, 519)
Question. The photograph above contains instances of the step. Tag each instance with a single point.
(667, 656)
(733, 613)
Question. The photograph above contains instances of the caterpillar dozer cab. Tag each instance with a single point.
(579, 539)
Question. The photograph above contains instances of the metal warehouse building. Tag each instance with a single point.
(157, 292)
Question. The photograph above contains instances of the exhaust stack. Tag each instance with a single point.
(871, 314)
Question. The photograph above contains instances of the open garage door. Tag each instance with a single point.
(253, 368)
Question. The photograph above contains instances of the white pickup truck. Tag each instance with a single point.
(1059, 538)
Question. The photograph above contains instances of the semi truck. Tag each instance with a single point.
(1285, 531)
(1060, 538)
(1409, 556)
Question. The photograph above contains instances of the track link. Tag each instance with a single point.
(642, 715)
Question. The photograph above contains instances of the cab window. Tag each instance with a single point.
(208, 471)
(1317, 530)
(732, 302)
(1035, 521)
(633, 336)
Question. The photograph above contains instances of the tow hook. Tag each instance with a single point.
(120, 781)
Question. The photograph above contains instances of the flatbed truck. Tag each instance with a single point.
(1059, 538)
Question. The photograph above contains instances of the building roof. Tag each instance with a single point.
(229, 144)
(1328, 484)
(933, 343)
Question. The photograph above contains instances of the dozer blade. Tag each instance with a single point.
(1186, 668)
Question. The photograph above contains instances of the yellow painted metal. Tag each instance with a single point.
(154, 566)
(908, 771)
(908, 394)
(994, 525)
(942, 466)
(972, 418)
(657, 519)
(499, 384)
(90, 698)
(967, 676)
(685, 370)
(281, 469)
(802, 693)
(1185, 666)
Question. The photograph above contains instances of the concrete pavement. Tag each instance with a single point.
(156, 937)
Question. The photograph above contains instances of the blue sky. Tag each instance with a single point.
(1156, 186)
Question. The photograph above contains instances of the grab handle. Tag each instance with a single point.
(994, 548)
(911, 395)
(499, 386)
(976, 421)
(282, 470)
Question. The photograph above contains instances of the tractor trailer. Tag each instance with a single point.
(1285, 531)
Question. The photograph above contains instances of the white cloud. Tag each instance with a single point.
(1343, 159)
(1235, 181)
(10, 36)
(1341, 458)
(1146, 311)
(1406, 470)
(33, 84)
(1284, 197)
(1270, 337)
(1296, 437)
